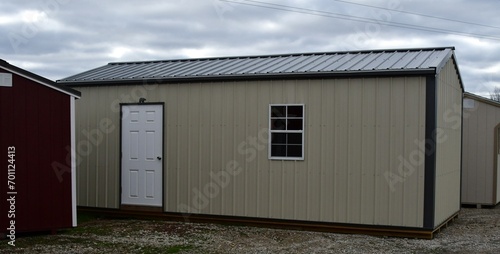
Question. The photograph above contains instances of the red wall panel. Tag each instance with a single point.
(36, 120)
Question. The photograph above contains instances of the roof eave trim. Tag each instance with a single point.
(302, 75)
(41, 80)
(481, 99)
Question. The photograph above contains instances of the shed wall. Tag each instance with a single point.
(449, 143)
(35, 120)
(478, 182)
(359, 134)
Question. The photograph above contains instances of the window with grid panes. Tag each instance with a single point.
(286, 131)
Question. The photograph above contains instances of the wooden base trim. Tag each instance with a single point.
(141, 208)
(376, 230)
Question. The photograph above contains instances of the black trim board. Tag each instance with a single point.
(251, 77)
(163, 151)
(430, 152)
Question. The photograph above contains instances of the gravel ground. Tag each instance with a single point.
(474, 231)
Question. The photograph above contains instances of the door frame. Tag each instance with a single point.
(139, 207)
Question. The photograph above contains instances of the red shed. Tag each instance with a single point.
(37, 140)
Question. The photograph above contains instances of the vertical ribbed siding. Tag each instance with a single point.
(357, 131)
(448, 152)
(97, 144)
(478, 160)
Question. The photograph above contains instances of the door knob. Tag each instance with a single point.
(159, 158)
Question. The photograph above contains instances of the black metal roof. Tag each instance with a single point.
(419, 60)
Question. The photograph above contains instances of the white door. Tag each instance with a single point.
(142, 137)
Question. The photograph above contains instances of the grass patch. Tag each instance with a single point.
(171, 249)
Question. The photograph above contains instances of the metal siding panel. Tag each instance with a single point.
(264, 164)
(382, 152)
(354, 148)
(397, 137)
(112, 125)
(218, 204)
(480, 191)
(327, 150)
(229, 153)
(251, 146)
(448, 149)
(466, 153)
(471, 139)
(172, 201)
(313, 119)
(341, 99)
(496, 186)
(80, 112)
(185, 192)
(100, 148)
(89, 154)
(208, 108)
(368, 151)
(488, 180)
(478, 154)
(414, 155)
(193, 141)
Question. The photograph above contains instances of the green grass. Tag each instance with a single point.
(88, 234)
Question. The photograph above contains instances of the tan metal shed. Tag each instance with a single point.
(359, 141)
(481, 151)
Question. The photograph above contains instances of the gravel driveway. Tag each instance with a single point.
(474, 231)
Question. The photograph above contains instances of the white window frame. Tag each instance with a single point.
(286, 131)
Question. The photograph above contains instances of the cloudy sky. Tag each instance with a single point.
(59, 38)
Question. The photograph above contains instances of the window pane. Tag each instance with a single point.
(294, 124)
(278, 111)
(278, 124)
(294, 138)
(295, 111)
(278, 150)
(294, 151)
(278, 138)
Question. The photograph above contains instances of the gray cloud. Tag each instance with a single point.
(59, 38)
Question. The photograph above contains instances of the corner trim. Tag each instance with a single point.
(430, 152)
(73, 160)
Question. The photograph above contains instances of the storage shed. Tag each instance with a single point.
(481, 151)
(37, 142)
(358, 141)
